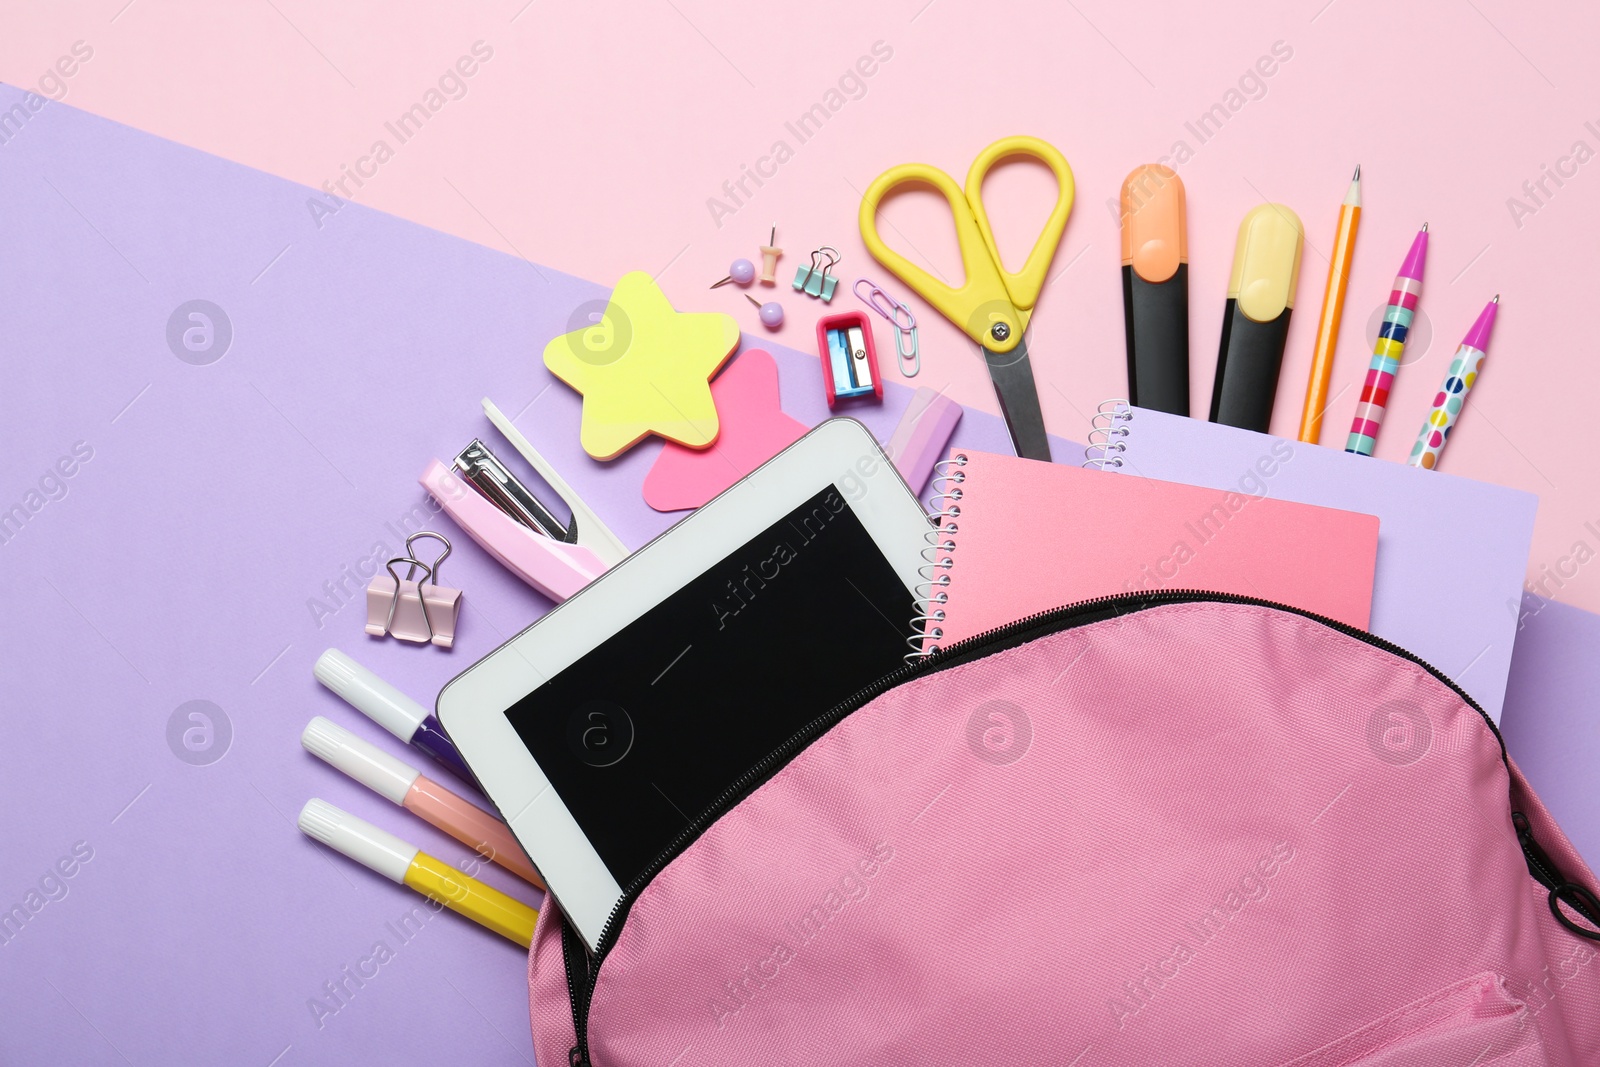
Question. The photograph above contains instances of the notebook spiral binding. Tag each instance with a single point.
(930, 594)
(1108, 435)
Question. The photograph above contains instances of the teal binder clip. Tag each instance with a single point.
(818, 281)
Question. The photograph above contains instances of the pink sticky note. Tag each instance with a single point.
(754, 429)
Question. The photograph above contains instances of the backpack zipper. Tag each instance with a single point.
(1539, 864)
(572, 956)
(1012, 634)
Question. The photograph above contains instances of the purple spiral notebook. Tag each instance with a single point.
(1452, 552)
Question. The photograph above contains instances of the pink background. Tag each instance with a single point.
(595, 135)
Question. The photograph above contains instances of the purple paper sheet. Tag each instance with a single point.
(1551, 724)
(1451, 551)
(189, 518)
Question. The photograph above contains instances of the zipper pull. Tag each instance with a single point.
(1577, 897)
(575, 1057)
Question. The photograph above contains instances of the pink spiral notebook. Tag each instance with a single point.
(1025, 537)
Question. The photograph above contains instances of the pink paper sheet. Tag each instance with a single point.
(1034, 536)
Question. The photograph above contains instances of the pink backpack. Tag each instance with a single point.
(1156, 829)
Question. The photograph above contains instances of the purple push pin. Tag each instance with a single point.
(771, 312)
(740, 272)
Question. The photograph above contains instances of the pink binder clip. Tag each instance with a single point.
(424, 612)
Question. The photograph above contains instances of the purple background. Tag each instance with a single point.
(179, 563)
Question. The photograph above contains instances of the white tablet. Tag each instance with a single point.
(603, 731)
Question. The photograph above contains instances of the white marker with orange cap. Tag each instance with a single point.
(406, 786)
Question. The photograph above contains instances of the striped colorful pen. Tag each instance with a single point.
(1386, 353)
(1464, 366)
(1344, 246)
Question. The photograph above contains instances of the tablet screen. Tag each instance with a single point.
(643, 733)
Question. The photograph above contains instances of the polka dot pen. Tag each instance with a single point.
(1386, 353)
(1464, 367)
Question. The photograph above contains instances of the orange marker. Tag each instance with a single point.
(1155, 289)
(1344, 244)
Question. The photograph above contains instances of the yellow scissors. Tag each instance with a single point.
(993, 305)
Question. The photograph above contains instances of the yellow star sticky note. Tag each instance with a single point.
(644, 369)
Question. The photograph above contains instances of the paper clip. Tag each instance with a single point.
(405, 608)
(905, 325)
(821, 284)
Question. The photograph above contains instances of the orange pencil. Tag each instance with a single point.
(1344, 244)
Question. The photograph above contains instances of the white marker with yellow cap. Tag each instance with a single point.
(410, 866)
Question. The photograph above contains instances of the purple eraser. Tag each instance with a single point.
(920, 438)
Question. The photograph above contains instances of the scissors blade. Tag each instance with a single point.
(1012, 375)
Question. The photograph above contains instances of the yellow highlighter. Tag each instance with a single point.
(410, 866)
(1255, 325)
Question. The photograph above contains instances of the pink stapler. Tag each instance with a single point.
(490, 503)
